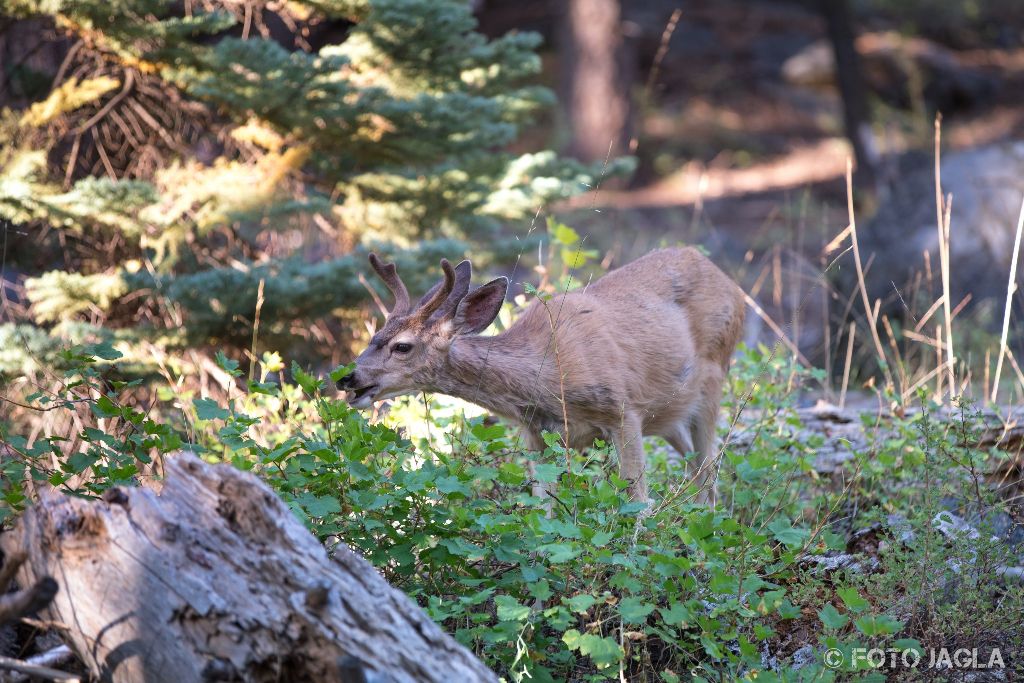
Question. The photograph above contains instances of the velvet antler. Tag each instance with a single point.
(463, 274)
(389, 274)
(437, 295)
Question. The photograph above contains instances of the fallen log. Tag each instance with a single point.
(216, 580)
(845, 432)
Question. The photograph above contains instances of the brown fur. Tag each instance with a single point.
(642, 351)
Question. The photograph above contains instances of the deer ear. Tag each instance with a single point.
(480, 307)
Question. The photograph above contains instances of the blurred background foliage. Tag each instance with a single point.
(169, 167)
(188, 160)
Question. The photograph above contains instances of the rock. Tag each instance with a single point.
(987, 184)
(952, 526)
(831, 563)
(768, 660)
(901, 528)
(804, 656)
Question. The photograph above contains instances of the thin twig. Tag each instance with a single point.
(44, 672)
(872, 320)
(129, 81)
(1011, 287)
(58, 656)
(942, 213)
(777, 330)
(846, 365)
(256, 327)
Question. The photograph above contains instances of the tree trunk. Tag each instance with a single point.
(216, 580)
(850, 77)
(597, 84)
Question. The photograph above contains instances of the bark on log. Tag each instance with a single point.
(216, 580)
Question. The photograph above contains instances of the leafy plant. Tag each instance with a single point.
(600, 587)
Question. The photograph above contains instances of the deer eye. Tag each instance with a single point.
(402, 347)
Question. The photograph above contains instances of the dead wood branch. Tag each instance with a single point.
(26, 601)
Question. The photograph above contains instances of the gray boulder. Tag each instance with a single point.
(987, 184)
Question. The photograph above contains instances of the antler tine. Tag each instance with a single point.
(439, 295)
(389, 274)
(463, 274)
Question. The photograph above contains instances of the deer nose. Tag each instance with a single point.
(347, 382)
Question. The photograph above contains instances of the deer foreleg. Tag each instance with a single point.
(542, 490)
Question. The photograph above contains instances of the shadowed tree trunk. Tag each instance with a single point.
(850, 77)
(216, 580)
(597, 80)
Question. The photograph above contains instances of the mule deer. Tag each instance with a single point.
(643, 350)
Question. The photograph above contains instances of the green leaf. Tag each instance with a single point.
(319, 506)
(105, 407)
(723, 583)
(102, 350)
(207, 409)
(711, 646)
(786, 534)
(882, 625)
(852, 599)
(677, 614)
(552, 439)
(562, 233)
(511, 473)
(509, 609)
(79, 462)
(634, 610)
(787, 610)
(581, 603)
(450, 485)
(633, 508)
(341, 371)
(310, 384)
(560, 552)
(547, 473)
(574, 258)
(602, 651)
(831, 617)
(228, 365)
(541, 590)
(702, 526)
(488, 433)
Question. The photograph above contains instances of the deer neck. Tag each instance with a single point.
(504, 374)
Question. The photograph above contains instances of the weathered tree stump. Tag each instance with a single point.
(216, 580)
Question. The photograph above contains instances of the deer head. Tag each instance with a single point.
(410, 352)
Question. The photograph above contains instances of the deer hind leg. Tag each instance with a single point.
(680, 438)
(629, 444)
(705, 436)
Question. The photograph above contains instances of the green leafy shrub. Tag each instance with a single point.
(597, 588)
